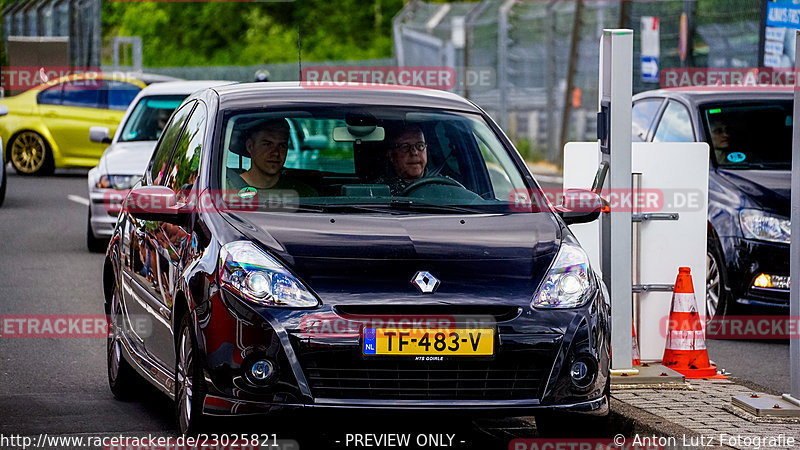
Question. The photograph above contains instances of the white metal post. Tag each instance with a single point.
(794, 252)
(616, 85)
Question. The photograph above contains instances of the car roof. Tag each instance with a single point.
(283, 93)
(181, 87)
(702, 94)
(90, 76)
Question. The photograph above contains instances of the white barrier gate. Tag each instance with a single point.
(674, 179)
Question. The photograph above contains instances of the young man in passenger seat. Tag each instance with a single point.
(268, 143)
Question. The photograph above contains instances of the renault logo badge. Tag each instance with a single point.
(425, 282)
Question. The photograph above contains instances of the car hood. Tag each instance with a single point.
(127, 158)
(766, 189)
(365, 259)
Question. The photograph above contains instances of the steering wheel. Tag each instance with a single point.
(428, 181)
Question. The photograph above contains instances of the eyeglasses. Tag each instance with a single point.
(406, 148)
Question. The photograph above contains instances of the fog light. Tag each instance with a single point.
(262, 371)
(766, 281)
(582, 374)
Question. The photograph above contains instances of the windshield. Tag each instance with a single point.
(383, 158)
(149, 117)
(750, 136)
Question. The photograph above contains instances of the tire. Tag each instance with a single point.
(190, 389)
(718, 301)
(93, 243)
(30, 154)
(123, 380)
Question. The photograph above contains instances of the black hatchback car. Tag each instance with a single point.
(394, 274)
(750, 135)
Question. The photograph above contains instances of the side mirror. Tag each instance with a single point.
(580, 206)
(157, 203)
(100, 135)
(3, 110)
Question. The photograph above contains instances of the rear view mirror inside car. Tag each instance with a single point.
(358, 134)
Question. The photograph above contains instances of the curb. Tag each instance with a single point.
(631, 421)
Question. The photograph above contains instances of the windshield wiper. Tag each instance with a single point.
(394, 206)
(345, 207)
(410, 205)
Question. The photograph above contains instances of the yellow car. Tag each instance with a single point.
(47, 126)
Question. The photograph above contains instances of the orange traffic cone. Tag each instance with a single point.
(685, 351)
(637, 358)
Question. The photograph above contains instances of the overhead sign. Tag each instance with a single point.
(782, 15)
(651, 49)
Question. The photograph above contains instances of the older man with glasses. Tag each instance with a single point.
(408, 154)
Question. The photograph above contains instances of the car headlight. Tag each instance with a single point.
(569, 283)
(765, 227)
(249, 271)
(117, 181)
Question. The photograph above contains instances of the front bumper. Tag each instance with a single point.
(745, 259)
(221, 406)
(529, 370)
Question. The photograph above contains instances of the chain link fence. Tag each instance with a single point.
(526, 46)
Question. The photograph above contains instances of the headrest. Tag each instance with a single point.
(371, 160)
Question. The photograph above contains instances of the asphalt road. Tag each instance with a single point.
(763, 362)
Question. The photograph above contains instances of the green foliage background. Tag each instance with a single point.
(228, 33)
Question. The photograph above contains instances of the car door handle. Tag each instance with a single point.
(50, 114)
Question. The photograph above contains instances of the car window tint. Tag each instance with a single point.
(163, 151)
(642, 116)
(675, 125)
(186, 160)
(50, 96)
(120, 94)
(82, 93)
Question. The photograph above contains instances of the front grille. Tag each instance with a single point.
(345, 374)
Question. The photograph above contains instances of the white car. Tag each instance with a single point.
(126, 158)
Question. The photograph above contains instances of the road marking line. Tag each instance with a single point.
(78, 199)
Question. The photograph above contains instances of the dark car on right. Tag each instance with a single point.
(750, 135)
